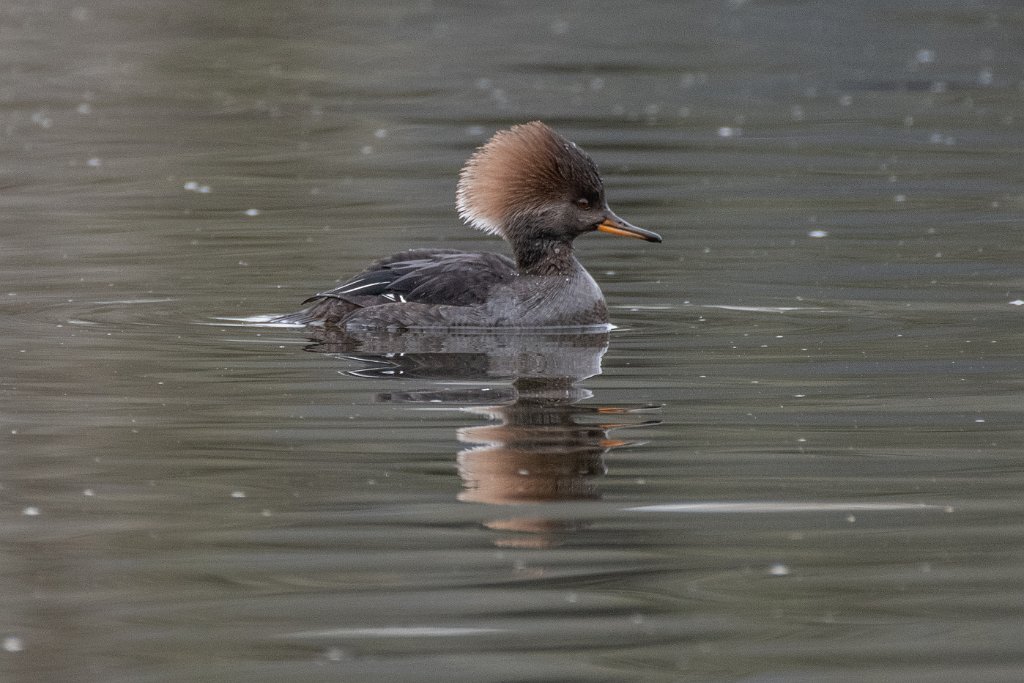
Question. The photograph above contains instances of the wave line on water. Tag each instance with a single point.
(253, 321)
(397, 632)
(763, 309)
(781, 506)
(117, 302)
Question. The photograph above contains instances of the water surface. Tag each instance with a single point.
(797, 457)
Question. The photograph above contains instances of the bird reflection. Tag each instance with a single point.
(543, 443)
(539, 448)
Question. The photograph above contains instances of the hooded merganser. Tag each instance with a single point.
(528, 185)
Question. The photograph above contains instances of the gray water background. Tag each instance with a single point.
(802, 457)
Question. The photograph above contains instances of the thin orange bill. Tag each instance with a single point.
(613, 225)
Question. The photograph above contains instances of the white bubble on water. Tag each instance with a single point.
(924, 56)
(41, 119)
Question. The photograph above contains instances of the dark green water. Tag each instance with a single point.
(799, 457)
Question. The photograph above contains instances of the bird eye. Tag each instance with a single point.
(583, 203)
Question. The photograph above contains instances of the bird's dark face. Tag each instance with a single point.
(583, 210)
(563, 217)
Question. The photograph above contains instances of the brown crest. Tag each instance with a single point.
(520, 170)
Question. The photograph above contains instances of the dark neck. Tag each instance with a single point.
(538, 251)
(544, 257)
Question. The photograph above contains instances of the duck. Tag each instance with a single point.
(533, 188)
